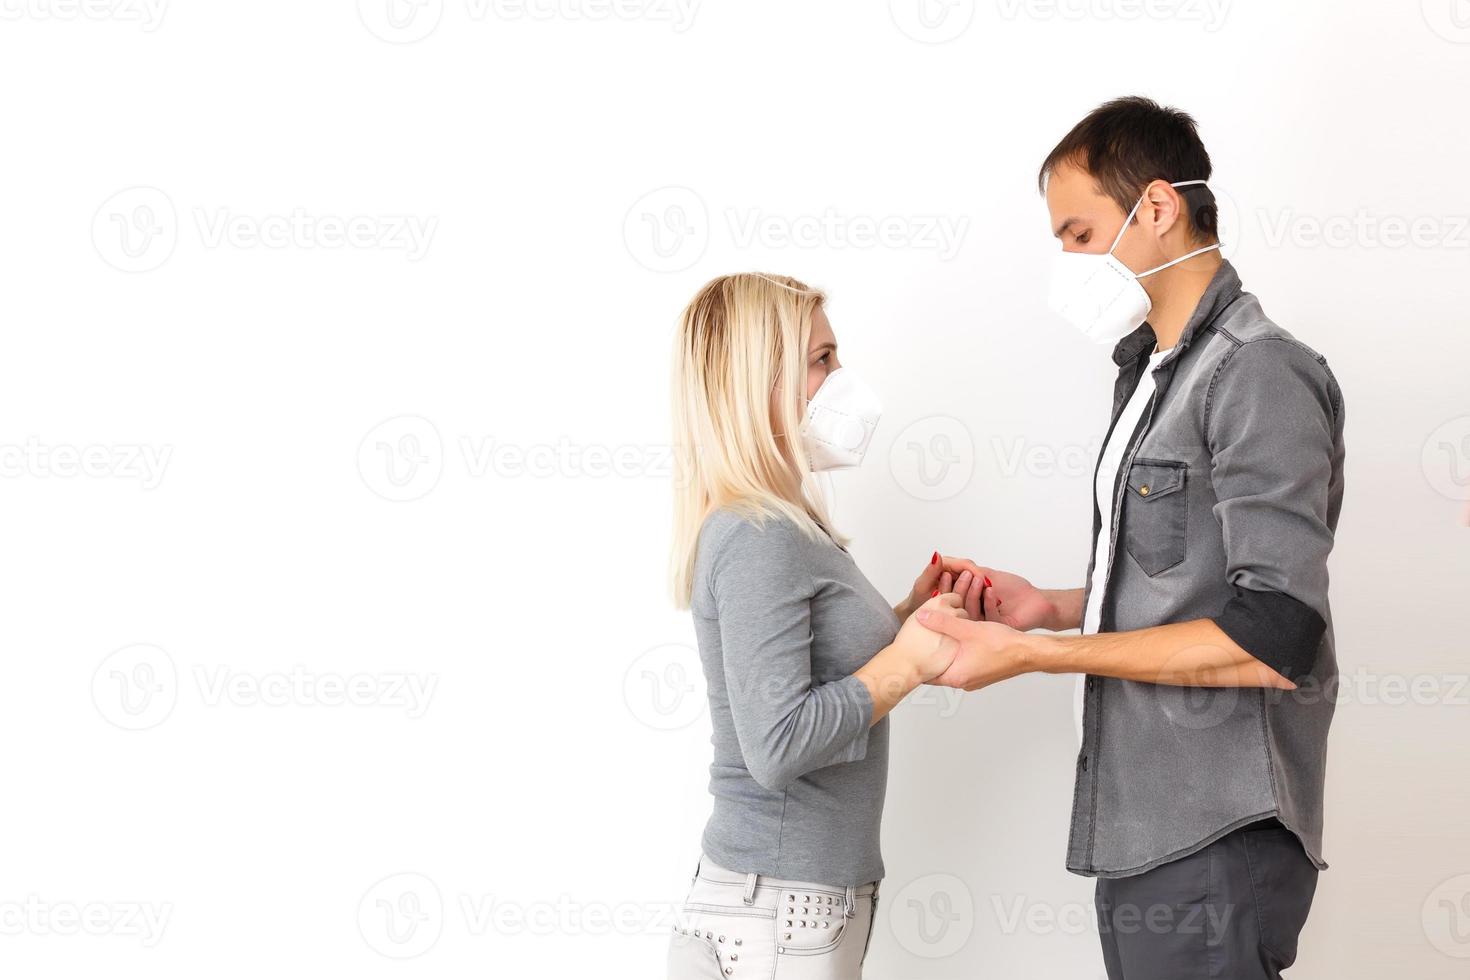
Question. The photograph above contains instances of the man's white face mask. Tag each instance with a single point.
(1101, 296)
(839, 421)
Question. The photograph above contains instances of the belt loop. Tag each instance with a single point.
(749, 896)
(849, 903)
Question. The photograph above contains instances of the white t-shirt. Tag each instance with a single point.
(1107, 478)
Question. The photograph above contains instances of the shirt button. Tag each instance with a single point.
(1091, 683)
(1143, 490)
(1084, 763)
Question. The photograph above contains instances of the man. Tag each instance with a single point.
(1206, 640)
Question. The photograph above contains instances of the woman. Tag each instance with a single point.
(802, 657)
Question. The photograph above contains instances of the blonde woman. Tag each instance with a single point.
(802, 657)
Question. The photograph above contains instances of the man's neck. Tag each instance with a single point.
(1175, 294)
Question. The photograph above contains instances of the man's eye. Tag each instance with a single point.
(1084, 238)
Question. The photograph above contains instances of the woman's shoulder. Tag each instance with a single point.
(747, 529)
(738, 538)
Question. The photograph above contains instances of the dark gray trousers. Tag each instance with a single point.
(1231, 911)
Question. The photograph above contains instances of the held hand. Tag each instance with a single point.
(989, 652)
(924, 586)
(945, 574)
(915, 657)
(930, 653)
(1009, 599)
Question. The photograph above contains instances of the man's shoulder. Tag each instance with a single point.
(1246, 325)
(1255, 356)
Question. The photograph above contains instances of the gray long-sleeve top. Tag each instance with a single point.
(783, 621)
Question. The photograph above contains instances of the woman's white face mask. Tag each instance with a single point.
(1101, 296)
(839, 422)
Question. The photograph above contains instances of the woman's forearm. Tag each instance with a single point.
(1066, 609)
(889, 677)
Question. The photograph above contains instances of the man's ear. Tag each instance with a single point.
(1164, 203)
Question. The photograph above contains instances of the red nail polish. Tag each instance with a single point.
(934, 593)
(988, 584)
(935, 559)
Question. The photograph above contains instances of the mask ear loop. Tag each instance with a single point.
(1126, 222)
(1129, 220)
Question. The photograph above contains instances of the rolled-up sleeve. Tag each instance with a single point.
(786, 726)
(1272, 423)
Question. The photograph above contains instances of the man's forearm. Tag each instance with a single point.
(1192, 654)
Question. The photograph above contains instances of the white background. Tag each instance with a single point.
(385, 460)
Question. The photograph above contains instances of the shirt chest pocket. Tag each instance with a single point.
(1155, 509)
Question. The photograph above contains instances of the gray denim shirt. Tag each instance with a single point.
(1225, 508)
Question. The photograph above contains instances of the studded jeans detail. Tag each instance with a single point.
(737, 926)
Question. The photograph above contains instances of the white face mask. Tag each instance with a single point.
(839, 421)
(1099, 295)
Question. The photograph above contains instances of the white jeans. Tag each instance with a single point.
(747, 927)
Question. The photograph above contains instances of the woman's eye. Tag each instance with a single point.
(823, 358)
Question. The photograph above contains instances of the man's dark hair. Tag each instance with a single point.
(1127, 143)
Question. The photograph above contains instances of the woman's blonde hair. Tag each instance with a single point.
(741, 338)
